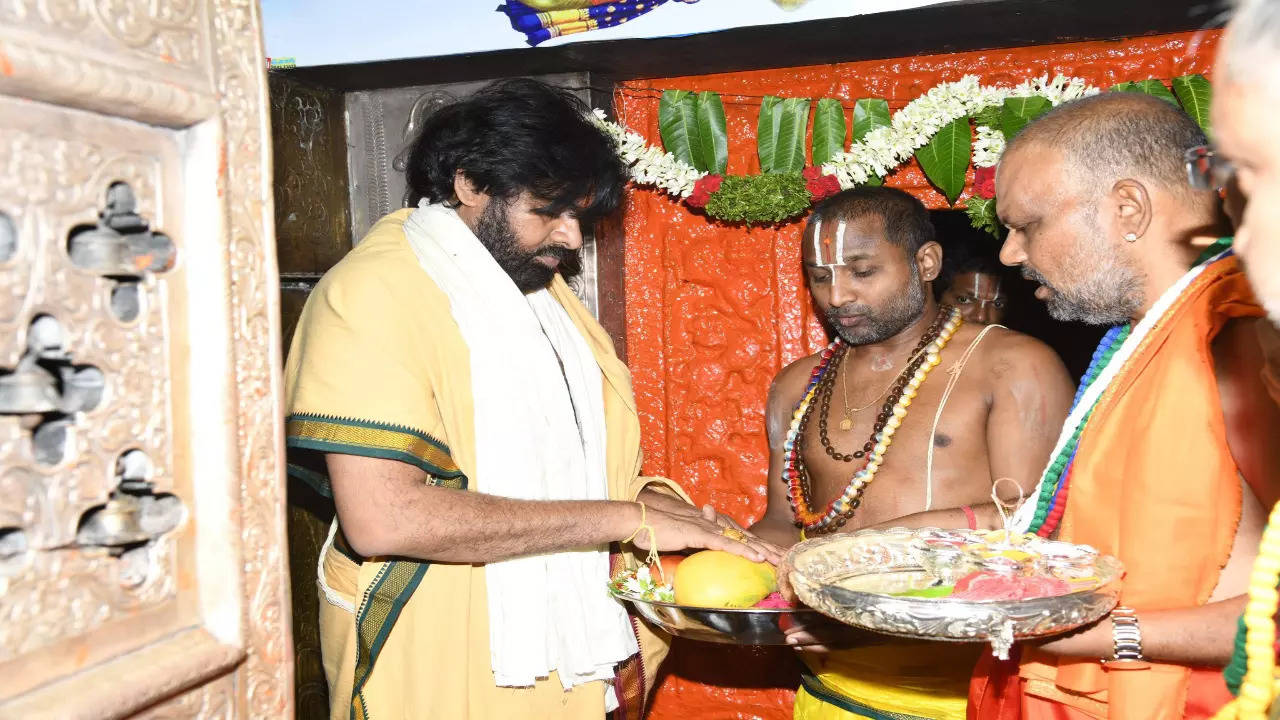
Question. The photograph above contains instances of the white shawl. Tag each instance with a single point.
(540, 435)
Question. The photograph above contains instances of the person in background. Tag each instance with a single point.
(973, 282)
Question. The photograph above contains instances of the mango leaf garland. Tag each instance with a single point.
(869, 114)
(692, 129)
(711, 148)
(1015, 113)
(678, 125)
(945, 158)
(828, 130)
(1195, 93)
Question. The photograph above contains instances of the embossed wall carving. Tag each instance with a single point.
(714, 311)
(312, 222)
(196, 619)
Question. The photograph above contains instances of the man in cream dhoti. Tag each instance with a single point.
(480, 437)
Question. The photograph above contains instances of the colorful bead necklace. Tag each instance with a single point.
(840, 509)
(825, 389)
(1051, 502)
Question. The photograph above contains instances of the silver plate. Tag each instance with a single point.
(823, 568)
(731, 626)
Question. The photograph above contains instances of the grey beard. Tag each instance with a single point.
(1108, 297)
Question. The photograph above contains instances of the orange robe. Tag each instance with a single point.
(1154, 484)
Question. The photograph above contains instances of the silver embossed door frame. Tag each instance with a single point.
(142, 559)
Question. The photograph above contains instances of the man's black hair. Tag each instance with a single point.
(514, 136)
(906, 222)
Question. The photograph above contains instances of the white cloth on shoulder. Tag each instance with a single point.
(540, 435)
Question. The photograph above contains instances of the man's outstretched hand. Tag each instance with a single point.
(679, 526)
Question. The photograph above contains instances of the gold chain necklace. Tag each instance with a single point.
(847, 423)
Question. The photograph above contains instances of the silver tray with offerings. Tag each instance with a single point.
(956, 585)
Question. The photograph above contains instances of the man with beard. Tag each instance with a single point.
(1172, 440)
(934, 410)
(479, 436)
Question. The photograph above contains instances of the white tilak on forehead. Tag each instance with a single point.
(817, 242)
(839, 258)
(823, 261)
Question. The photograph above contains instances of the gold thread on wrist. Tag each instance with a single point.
(642, 526)
(651, 558)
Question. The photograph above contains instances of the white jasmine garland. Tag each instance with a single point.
(988, 146)
(648, 164)
(879, 151)
(989, 142)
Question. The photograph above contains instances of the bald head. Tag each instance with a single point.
(1118, 135)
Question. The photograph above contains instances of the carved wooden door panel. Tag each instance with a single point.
(142, 558)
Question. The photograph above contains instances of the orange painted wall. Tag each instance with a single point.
(713, 311)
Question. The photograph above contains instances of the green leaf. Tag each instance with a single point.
(1155, 88)
(828, 130)
(988, 116)
(788, 154)
(869, 114)
(755, 199)
(1016, 112)
(678, 124)
(1195, 93)
(767, 131)
(1125, 87)
(711, 149)
(982, 215)
(780, 134)
(945, 158)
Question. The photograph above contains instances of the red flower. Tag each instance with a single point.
(820, 186)
(984, 182)
(702, 190)
(811, 173)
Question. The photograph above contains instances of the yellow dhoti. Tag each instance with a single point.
(899, 681)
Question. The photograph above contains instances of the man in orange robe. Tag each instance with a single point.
(1158, 462)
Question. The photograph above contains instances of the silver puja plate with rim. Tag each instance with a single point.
(835, 575)
(731, 626)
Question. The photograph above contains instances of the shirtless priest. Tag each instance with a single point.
(908, 418)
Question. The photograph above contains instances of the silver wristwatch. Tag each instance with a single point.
(1127, 638)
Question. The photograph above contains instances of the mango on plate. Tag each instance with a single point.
(713, 578)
